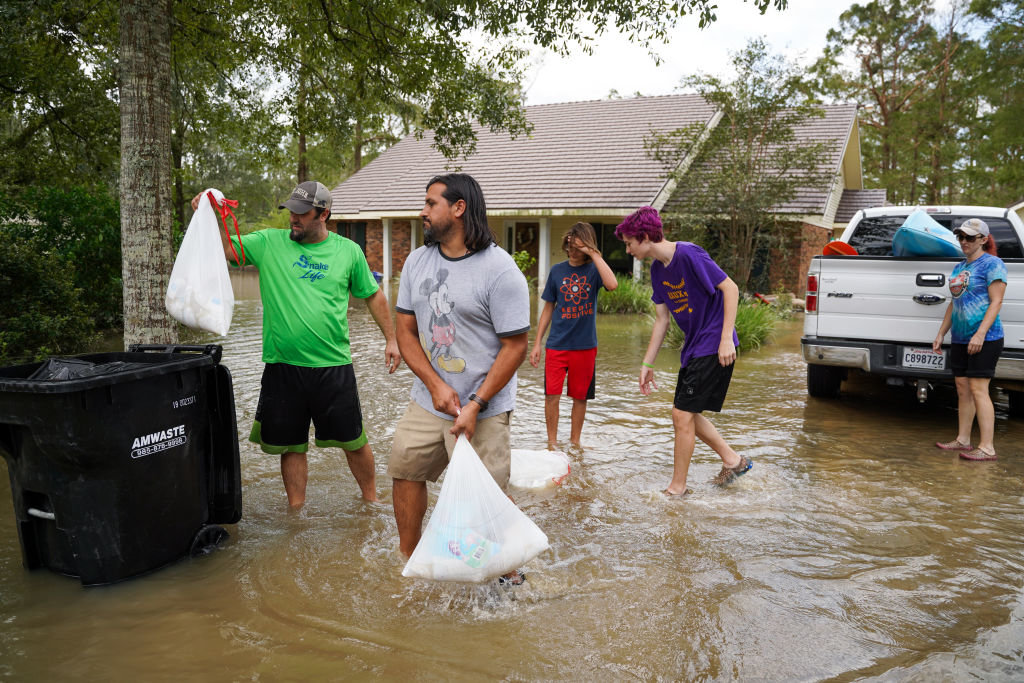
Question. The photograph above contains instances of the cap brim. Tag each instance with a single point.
(970, 232)
(295, 206)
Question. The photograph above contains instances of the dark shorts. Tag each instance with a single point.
(578, 364)
(980, 364)
(291, 396)
(702, 385)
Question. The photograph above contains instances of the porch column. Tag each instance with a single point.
(414, 234)
(385, 243)
(544, 253)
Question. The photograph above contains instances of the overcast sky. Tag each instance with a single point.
(797, 32)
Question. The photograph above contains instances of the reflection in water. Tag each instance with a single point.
(853, 549)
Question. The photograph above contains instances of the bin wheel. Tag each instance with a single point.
(206, 539)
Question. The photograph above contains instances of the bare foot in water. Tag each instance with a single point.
(686, 492)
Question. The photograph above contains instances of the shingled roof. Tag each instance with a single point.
(580, 155)
(853, 201)
(834, 130)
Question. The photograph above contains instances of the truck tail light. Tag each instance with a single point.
(811, 302)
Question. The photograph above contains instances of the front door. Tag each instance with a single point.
(527, 238)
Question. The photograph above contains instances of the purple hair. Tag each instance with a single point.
(644, 222)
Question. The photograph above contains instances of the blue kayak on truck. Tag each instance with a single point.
(921, 235)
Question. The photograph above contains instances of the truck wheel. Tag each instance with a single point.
(823, 381)
(1015, 403)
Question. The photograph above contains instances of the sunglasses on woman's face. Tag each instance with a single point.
(966, 238)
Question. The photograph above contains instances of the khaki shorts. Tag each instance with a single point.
(423, 445)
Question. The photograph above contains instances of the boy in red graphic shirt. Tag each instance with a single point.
(570, 300)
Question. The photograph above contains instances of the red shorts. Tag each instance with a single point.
(578, 363)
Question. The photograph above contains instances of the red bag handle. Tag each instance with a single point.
(224, 210)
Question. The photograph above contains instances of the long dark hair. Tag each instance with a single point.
(458, 186)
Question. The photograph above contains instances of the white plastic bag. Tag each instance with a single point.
(476, 532)
(199, 293)
(538, 469)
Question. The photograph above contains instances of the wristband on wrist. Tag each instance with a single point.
(479, 401)
(646, 364)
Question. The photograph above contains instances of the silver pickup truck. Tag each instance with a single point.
(878, 313)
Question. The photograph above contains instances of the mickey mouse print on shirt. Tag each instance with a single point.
(442, 327)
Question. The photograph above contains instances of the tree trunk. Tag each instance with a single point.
(146, 223)
(357, 151)
(302, 170)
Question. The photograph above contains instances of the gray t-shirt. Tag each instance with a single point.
(462, 307)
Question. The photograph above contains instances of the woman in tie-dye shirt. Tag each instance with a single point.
(977, 285)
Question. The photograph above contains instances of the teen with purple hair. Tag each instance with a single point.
(689, 286)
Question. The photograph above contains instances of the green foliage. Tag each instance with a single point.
(940, 121)
(755, 326)
(732, 182)
(523, 260)
(58, 117)
(629, 297)
(82, 230)
(265, 92)
(43, 312)
(996, 141)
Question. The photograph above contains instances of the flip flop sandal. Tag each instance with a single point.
(978, 454)
(953, 445)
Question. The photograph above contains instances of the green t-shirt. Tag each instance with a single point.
(305, 289)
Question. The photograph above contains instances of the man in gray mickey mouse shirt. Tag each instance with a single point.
(463, 320)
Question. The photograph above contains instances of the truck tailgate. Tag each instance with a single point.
(897, 299)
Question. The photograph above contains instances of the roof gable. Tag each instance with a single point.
(833, 128)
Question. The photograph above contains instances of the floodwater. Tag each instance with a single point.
(853, 550)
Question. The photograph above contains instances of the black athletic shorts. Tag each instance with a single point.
(980, 364)
(291, 396)
(702, 385)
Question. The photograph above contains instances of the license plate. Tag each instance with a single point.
(924, 358)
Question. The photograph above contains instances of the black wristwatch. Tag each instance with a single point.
(481, 402)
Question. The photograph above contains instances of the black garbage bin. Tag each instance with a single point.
(125, 470)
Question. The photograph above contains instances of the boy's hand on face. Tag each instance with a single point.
(584, 247)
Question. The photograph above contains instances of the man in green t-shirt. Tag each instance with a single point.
(306, 275)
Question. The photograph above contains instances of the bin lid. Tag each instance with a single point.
(67, 375)
(55, 369)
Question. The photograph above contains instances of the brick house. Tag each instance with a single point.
(584, 161)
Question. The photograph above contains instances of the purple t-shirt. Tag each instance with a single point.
(688, 286)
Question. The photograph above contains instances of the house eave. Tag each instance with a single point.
(617, 211)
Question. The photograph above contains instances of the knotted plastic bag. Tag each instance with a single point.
(538, 469)
(476, 532)
(199, 293)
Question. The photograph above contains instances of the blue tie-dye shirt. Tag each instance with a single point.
(969, 286)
